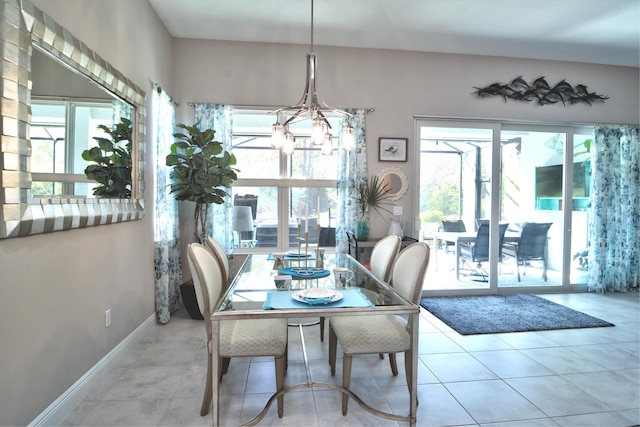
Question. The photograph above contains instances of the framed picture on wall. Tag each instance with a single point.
(392, 150)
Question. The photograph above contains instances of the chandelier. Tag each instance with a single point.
(310, 108)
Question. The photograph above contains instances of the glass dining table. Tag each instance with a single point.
(253, 295)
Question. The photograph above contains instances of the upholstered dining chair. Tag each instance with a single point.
(383, 255)
(218, 251)
(381, 333)
(238, 338)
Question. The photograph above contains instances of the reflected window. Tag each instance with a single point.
(57, 148)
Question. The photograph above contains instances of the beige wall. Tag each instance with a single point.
(399, 85)
(56, 287)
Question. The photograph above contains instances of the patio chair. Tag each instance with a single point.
(456, 226)
(478, 251)
(531, 247)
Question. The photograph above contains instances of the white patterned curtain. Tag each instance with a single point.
(614, 257)
(219, 118)
(165, 215)
(352, 170)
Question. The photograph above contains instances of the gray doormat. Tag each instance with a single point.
(490, 314)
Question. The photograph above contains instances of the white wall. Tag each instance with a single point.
(399, 85)
(56, 287)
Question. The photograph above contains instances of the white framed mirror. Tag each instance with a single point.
(22, 214)
(396, 182)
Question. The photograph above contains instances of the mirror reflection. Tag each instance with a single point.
(58, 144)
(68, 110)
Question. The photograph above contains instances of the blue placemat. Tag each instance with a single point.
(314, 273)
(282, 300)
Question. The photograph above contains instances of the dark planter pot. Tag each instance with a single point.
(188, 293)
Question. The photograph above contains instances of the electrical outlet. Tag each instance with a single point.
(397, 210)
(107, 318)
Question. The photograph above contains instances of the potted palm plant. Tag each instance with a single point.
(372, 194)
(201, 171)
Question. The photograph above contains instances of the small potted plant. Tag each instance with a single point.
(372, 194)
(583, 259)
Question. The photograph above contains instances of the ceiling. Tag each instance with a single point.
(592, 31)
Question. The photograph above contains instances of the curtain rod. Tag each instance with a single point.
(263, 107)
(157, 87)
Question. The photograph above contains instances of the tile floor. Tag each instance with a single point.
(581, 377)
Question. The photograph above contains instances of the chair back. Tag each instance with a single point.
(207, 277)
(383, 255)
(408, 272)
(220, 254)
(456, 225)
(533, 240)
(327, 236)
(480, 221)
(481, 247)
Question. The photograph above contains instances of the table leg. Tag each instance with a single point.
(457, 260)
(435, 255)
(413, 394)
(215, 368)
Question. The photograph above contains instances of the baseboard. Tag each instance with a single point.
(64, 404)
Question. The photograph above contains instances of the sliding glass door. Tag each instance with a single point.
(526, 184)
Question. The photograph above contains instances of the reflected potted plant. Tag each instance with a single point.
(372, 194)
(201, 171)
(113, 164)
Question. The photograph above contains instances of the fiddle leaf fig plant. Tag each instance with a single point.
(201, 170)
(112, 158)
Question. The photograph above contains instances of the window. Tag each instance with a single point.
(282, 187)
(60, 132)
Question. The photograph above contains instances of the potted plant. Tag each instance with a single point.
(372, 194)
(112, 158)
(201, 171)
(583, 259)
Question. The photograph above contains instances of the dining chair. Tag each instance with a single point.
(237, 338)
(218, 251)
(478, 251)
(327, 236)
(383, 255)
(381, 333)
(530, 247)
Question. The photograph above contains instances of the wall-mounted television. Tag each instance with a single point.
(549, 180)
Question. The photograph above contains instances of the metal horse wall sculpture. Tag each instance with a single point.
(540, 91)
